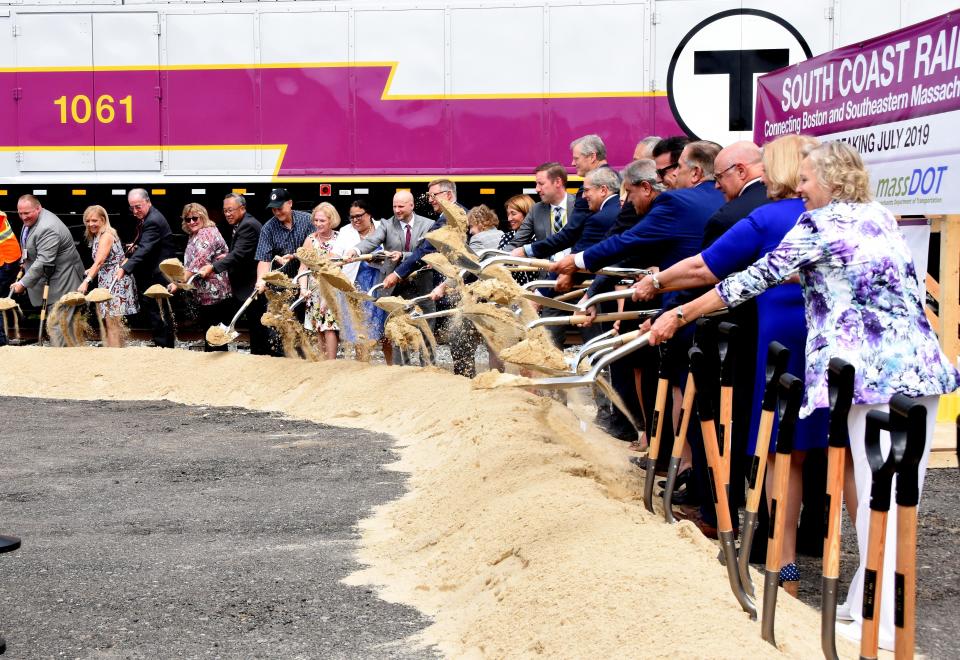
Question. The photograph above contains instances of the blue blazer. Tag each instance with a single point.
(581, 231)
(670, 231)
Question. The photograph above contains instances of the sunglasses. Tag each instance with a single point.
(192, 218)
(662, 172)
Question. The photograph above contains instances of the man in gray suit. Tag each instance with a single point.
(399, 235)
(49, 257)
(548, 215)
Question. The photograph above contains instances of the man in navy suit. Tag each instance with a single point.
(673, 228)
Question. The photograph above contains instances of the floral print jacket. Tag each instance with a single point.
(206, 247)
(862, 303)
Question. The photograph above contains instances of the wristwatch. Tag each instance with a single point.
(680, 313)
(656, 282)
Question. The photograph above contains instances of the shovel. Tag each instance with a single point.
(791, 394)
(220, 335)
(912, 416)
(656, 430)
(679, 440)
(840, 379)
(545, 264)
(591, 377)
(583, 318)
(578, 308)
(727, 345)
(394, 304)
(777, 357)
(704, 378)
(883, 469)
(47, 274)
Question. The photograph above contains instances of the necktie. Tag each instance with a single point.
(23, 235)
(557, 219)
(406, 243)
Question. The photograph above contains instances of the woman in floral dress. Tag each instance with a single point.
(862, 303)
(205, 245)
(107, 255)
(319, 317)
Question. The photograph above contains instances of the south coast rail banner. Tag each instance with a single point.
(896, 98)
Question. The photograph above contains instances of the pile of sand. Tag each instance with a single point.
(157, 292)
(217, 336)
(99, 295)
(519, 534)
(277, 278)
(536, 353)
(72, 299)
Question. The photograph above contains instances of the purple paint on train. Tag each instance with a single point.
(332, 119)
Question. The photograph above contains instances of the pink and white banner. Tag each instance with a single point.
(896, 98)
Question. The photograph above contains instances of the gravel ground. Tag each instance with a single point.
(153, 529)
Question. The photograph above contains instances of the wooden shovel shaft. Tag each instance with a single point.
(872, 585)
(686, 408)
(759, 467)
(725, 440)
(660, 404)
(570, 295)
(836, 457)
(43, 313)
(714, 466)
(778, 505)
(906, 581)
(679, 440)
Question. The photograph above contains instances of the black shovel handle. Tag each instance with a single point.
(911, 416)
(791, 395)
(703, 374)
(727, 337)
(883, 467)
(840, 379)
(777, 357)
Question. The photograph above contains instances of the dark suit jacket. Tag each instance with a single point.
(153, 246)
(670, 231)
(733, 211)
(241, 261)
(538, 224)
(581, 231)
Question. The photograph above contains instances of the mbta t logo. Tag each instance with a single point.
(713, 71)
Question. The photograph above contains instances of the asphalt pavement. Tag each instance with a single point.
(152, 529)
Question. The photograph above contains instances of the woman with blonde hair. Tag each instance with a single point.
(863, 302)
(205, 245)
(319, 317)
(517, 207)
(107, 257)
(482, 224)
(780, 313)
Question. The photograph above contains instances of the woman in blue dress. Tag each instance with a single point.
(363, 274)
(779, 311)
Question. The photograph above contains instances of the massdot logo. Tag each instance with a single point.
(713, 71)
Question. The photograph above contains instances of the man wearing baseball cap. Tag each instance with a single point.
(281, 236)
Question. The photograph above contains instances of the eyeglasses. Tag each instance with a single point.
(226, 210)
(431, 195)
(717, 176)
(136, 207)
(191, 219)
(663, 171)
(355, 217)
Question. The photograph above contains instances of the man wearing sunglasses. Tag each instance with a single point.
(666, 154)
(152, 243)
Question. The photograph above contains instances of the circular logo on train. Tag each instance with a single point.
(712, 76)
